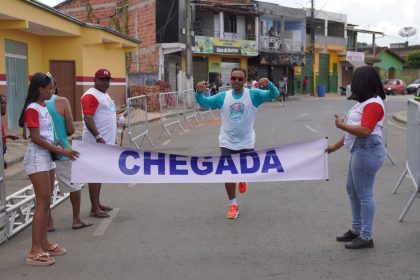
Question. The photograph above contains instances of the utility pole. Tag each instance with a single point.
(373, 44)
(312, 47)
(189, 42)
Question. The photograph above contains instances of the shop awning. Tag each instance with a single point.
(172, 47)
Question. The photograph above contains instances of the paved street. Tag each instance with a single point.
(285, 231)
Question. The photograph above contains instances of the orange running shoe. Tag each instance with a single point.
(233, 212)
(242, 187)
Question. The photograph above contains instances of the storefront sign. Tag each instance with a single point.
(210, 45)
(355, 56)
(226, 50)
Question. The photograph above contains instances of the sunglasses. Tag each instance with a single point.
(239, 79)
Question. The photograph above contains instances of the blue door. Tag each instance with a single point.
(16, 79)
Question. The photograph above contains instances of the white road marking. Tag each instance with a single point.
(187, 130)
(132, 185)
(304, 114)
(166, 142)
(100, 230)
(200, 124)
(311, 128)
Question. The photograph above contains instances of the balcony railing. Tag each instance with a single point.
(226, 35)
(275, 44)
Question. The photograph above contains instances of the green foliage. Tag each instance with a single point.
(120, 18)
(414, 59)
(89, 11)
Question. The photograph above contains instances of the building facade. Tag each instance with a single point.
(36, 38)
(159, 24)
(225, 36)
(281, 43)
(329, 50)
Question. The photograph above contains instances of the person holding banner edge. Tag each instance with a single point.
(238, 108)
(100, 126)
(40, 167)
(362, 128)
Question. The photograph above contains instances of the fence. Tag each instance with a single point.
(3, 235)
(138, 122)
(190, 107)
(204, 111)
(412, 154)
(224, 88)
(169, 113)
(21, 206)
(409, 74)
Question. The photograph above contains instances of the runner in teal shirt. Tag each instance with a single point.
(258, 97)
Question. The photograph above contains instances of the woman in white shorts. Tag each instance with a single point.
(39, 166)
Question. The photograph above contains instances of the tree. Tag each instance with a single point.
(413, 59)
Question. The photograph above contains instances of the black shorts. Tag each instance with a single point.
(226, 151)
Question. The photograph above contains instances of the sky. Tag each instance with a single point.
(387, 16)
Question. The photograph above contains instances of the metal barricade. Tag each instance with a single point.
(412, 154)
(224, 88)
(204, 111)
(169, 112)
(138, 122)
(21, 206)
(190, 107)
(3, 235)
(385, 132)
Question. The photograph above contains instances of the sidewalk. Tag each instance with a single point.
(16, 149)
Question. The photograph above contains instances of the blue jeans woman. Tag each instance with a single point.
(367, 157)
(362, 128)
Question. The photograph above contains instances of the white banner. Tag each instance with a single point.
(100, 163)
(355, 56)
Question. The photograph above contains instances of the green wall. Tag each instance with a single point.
(388, 61)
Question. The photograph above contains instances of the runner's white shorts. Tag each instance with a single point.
(37, 159)
(63, 174)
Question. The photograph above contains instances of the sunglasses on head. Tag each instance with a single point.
(234, 78)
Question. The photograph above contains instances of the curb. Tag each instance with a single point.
(398, 117)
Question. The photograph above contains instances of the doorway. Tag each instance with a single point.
(64, 73)
(391, 73)
(16, 79)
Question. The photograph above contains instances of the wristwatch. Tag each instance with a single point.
(98, 137)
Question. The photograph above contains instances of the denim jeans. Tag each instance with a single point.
(367, 156)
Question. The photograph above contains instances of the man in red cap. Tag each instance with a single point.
(100, 126)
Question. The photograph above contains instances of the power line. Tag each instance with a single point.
(319, 10)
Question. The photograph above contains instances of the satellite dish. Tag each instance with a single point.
(407, 32)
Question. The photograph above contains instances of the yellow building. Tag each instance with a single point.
(37, 38)
(330, 44)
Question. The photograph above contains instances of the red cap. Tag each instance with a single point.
(103, 73)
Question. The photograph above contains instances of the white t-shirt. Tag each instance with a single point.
(238, 115)
(354, 117)
(37, 116)
(102, 107)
